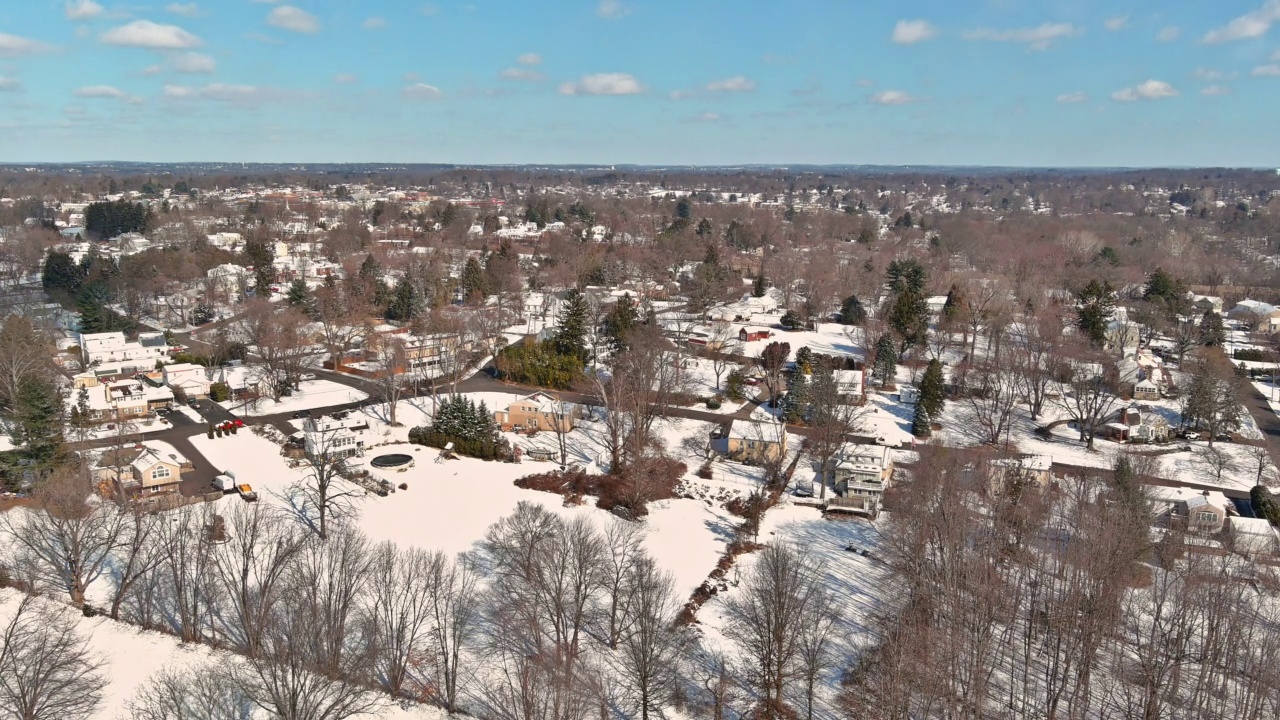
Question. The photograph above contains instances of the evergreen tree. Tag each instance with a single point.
(920, 422)
(909, 318)
(1097, 304)
(571, 336)
(886, 359)
(299, 293)
(852, 312)
(404, 303)
(370, 270)
(758, 287)
(61, 273)
(795, 406)
(804, 360)
(906, 275)
(951, 308)
(37, 426)
(473, 284)
(932, 390)
(735, 385)
(1212, 331)
(1161, 286)
(704, 228)
(620, 321)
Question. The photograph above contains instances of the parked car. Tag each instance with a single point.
(307, 376)
(246, 491)
(193, 403)
(1191, 435)
(302, 414)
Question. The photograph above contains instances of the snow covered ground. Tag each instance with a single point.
(133, 655)
(311, 394)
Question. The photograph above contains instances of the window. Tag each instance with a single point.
(1206, 518)
(160, 473)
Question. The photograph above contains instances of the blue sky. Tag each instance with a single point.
(978, 82)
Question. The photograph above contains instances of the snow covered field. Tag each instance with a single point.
(133, 655)
(311, 394)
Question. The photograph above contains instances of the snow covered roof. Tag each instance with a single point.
(770, 430)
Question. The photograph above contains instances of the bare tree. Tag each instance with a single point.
(136, 556)
(1093, 393)
(455, 613)
(651, 643)
(187, 694)
(815, 652)
(992, 394)
(776, 599)
(185, 544)
(773, 361)
(722, 344)
(622, 550)
(392, 361)
(401, 607)
(251, 566)
(324, 496)
(71, 541)
(279, 341)
(46, 669)
(640, 389)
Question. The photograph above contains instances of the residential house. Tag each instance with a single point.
(113, 348)
(123, 399)
(540, 411)
(1254, 537)
(1259, 316)
(333, 438)
(189, 378)
(229, 278)
(1022, 469)
(1146, 390)
(755, 441)
(1203, 513)
(140, 471)
(1131, 424)
(752, 334)
(851, 385)
(859, 477)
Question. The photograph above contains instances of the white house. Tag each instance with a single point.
(860, 476)
(332, 438)
(851, 385)
(191, 379)
(113, 347)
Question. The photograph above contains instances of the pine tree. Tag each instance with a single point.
(404, 304)
(38, 420)
(758, 287)
(852, 312)
(920, 422)
(1097, 304)
(571, 336)
(370, 270)
(795, 406)
(472, 282)
(951, 308)
(299, 293)
(620, 321)
(1212, 332)
(932, 390)
(886, 359)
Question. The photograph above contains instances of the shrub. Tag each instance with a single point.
(493, 448)
(713, 403)
(219, 392)
(218, 432)
(627, 494)
(540, 364)
(734, 386)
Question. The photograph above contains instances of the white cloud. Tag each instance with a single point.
(345, 79)
(84, 10)
(612, 9)
(523, 73)
(146, 34)
(373, 23)
(1266, 71)
(10, 84)
(1215, 90)
(603, 84)
(150, 70)
(530, 59)
(1275, 56)
(910, 32)
(193, 64)
(1206, 74)
(707, 117)
(220, 92)
(423, 91)
(891, 97)
(1149, 90)
(12, 46)
(429, 9)
(288, 17)
(185, 10)
(1168, 33)
(1075, 97)
(680, 94)
(1250, 25)
(737, 83)
(99, 91)
(1116, 23)
(1037, 38)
